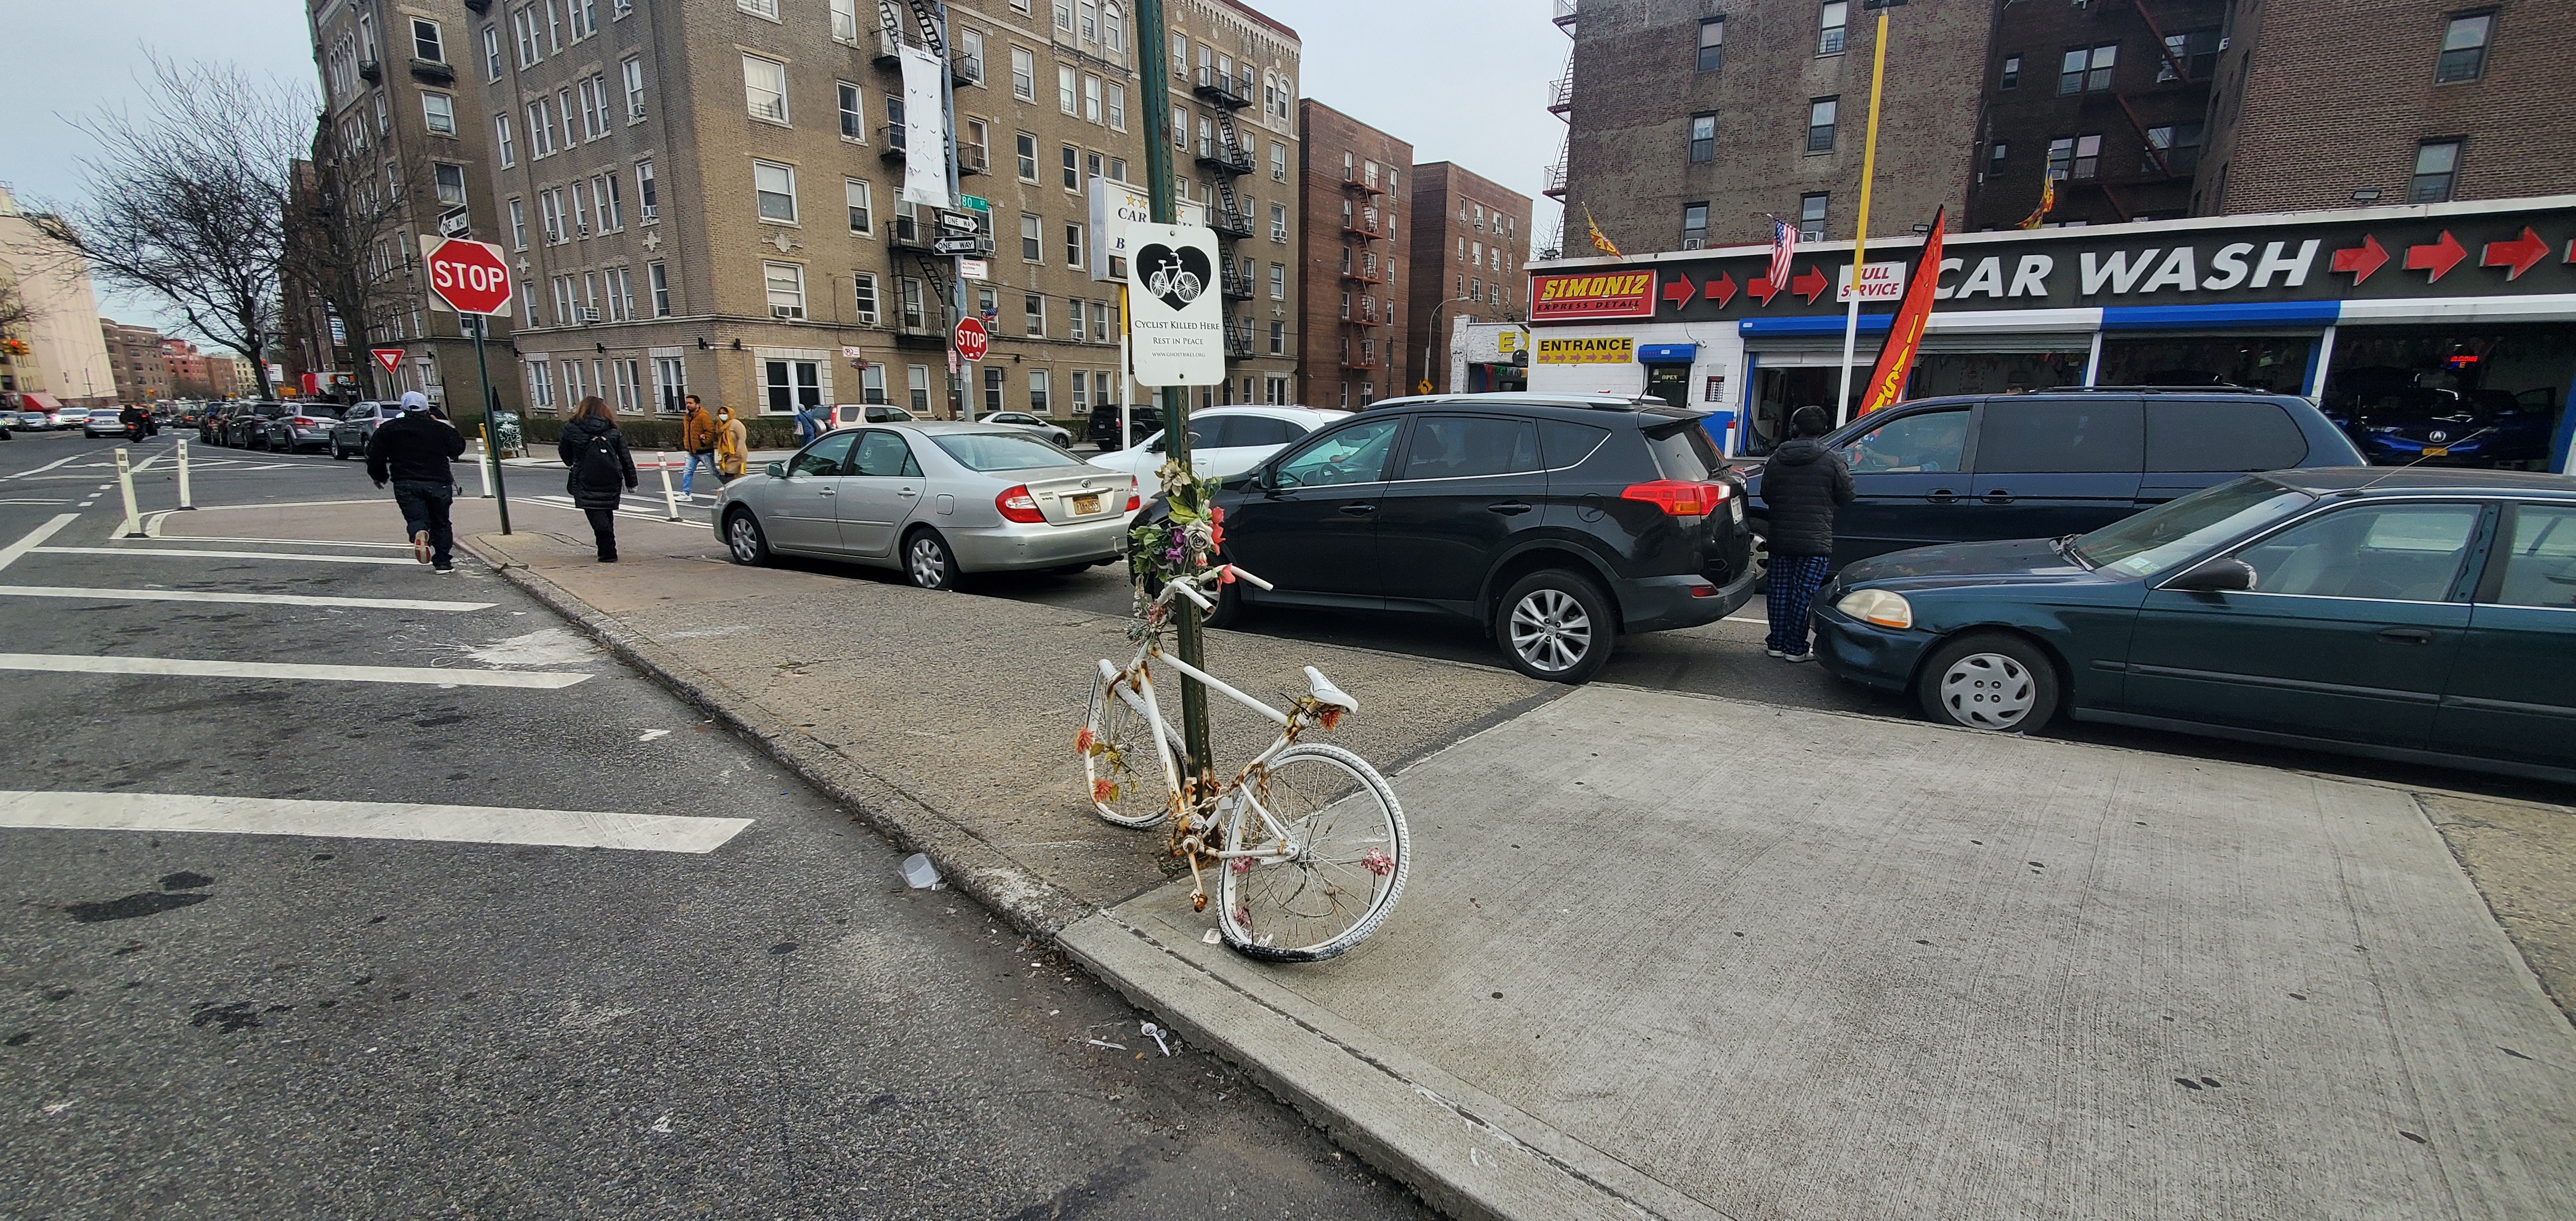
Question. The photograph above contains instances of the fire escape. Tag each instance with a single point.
(2188, 67)
(1362, 271)
(1228, 156)
(1560, 102)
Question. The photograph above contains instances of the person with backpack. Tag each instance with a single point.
(733, 450)
(698, 441)
(600, 469)
(412, 453)
(1802, 486)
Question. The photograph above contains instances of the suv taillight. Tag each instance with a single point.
(301, 422)
(1680, 497)
(1017, 505)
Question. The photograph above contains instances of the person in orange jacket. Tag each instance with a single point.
(698, 440)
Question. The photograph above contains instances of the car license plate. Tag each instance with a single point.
(1735, 509)
(2437, 451)
(1086, 504)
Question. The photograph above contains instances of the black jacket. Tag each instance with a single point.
(1802, 485)
(580, 438)
(415, 447)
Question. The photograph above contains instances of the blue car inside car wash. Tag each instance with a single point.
(2441, 334)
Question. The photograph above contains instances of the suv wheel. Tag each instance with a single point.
(1990, 680)
(337, 454)
(1555, 625)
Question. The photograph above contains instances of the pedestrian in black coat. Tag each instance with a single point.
(412, 452)
(600, 469)
(1802, 485)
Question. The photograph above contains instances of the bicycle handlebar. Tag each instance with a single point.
(1211, 578)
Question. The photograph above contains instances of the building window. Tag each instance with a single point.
(1072, 168)
(671, 377)
(845, 21)
(440, 112)
(1117, 108)
(1278, 282)
(1278, 222)
(491, 52)
(1811, 216)
(1100, 325)
(993, 376)
(1024, 75)
(1032, 245)
(792, 385)
(1033, 316)
(1073, 323)
(786, 283)
(2061, 157)
(916, 380)
(1067, 90)
(1829, 36)
(1712, 43)
(426, 43)
(775, 185)
(2012, 73)
(2178, 146)
(1038, 391)
(1996, 154)
(450, 181)
(854, 118)
(2437, 163)
(1703, 140)
(1278, 162)
(2190, 55)
(1820, 124)
(1694, 226)
(645, 193)
(1027, 146)
(759, 8)
(518, 225)
(764, 87)
(1091, 98)
(541, 386)
(2087, 70)
(1113, 26)
(634, 89)
(862, 215)
(1073, 246)
(501, 143)
(2464, 48)
(1278, 342)
(2088, 157)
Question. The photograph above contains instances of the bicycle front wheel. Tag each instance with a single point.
(1124, 777)
(1349, 855)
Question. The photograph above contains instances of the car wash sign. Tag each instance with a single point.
(1593, 295)
(2508, 248)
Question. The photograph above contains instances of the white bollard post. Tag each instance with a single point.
(133, 527)
(483, 463)
(185, 500)
(670, 502)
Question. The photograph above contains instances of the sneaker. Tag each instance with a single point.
(608, 559)
(420, 548)
(442, 569)
(1798, 657)
(1773, 653)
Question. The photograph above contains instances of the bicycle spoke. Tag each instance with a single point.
(1346, 864)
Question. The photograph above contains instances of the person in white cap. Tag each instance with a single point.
(412, 454)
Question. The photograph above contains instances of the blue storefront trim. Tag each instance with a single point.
(2194, 317)
(1822, 324)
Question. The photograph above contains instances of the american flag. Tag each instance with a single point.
(1784, 246)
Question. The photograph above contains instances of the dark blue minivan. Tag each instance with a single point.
(1986, 467)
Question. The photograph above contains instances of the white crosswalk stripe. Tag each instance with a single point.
(182, 813)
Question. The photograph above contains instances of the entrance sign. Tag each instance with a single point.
(390, 358)
(972, 343)
(1589, 350)
(1175, 316)
(466, 276)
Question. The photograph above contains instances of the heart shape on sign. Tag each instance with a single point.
(1176, 276)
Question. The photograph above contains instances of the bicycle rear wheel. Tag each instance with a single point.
(1350, 865)
(1123, 776)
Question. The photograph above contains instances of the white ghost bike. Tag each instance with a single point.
(1307, 841)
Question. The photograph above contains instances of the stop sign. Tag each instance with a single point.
(470, 276)
(972, 342)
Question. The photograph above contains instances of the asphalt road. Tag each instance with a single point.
(498, 1023)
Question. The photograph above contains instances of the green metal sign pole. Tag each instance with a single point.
(491, 434)
(1150, 51)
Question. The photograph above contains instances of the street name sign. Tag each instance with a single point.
(466, 276)
(1175, 318)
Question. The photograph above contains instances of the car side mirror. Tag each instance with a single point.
(1155, 446)
(775, 470)
(2218, 576)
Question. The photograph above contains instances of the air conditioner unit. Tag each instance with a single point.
(786, 311)
(589, 315)
(652, 212)
(1694, 243)
(635, 111)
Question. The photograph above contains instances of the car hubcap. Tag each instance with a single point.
(1550, 630)
(746, 543)
(1988, 691)
(928, 571)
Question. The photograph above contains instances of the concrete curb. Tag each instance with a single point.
(1030, 903)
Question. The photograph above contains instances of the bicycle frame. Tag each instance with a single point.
(1140, 697)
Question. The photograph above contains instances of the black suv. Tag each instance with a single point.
(1103, 432)
(2059, 462)
(1557, 521)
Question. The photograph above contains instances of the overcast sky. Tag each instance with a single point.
(1461, 80)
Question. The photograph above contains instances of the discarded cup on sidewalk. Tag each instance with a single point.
(920, 874)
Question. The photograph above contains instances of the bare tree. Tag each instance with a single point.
(15, 313)
(348, 230)
(187, 202)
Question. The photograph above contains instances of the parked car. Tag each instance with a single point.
(1967, 469)
(1224, 441)
(2412, 424)
(103, 422)
(357, 426)
(1556, 521)
(247, 428)
(937, 500)
(1144, 420)
(2423, 615)
(1036, 425)
(210, 422)
(307, 425)
(850, 415)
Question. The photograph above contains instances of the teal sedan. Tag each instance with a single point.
(2426, 616)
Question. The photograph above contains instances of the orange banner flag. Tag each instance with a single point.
(1905, 336)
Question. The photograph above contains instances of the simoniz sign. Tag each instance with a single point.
(2494, 249)
(1617, 294)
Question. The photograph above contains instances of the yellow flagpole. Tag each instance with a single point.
(1860, 240)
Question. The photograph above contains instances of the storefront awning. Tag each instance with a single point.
(38, 400)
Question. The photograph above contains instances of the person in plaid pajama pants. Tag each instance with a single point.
(1802, 485)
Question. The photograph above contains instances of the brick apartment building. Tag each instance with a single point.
(1470, 243)
(2109, 98)
(1354, 260)
(2391, 101)
(1694, 121)
(404, 85)
(135, 353)
(1235, 150)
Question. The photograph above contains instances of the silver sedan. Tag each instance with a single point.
(934, 500)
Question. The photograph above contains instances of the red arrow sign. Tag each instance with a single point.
(2438, 258)
(1810, 285)
(390, 358)
(2521, 254)
(1678, 290)
(1720, 290)
(2361, 260)
(1761, 290)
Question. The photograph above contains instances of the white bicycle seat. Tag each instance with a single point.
(1325, 692)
